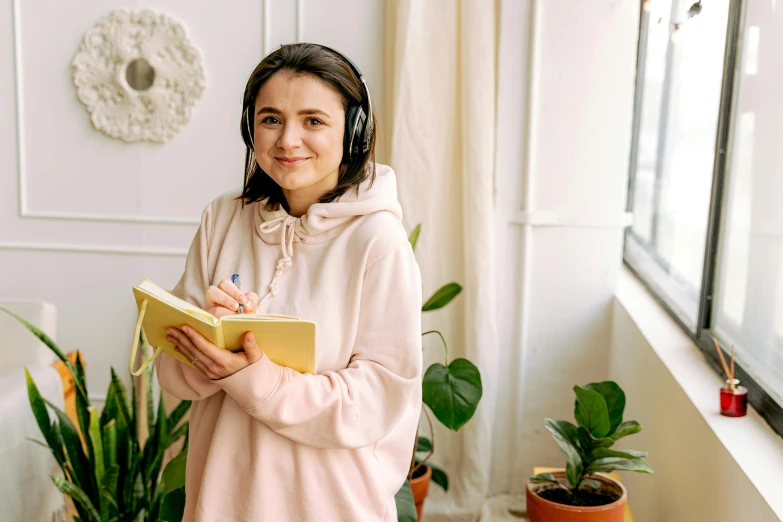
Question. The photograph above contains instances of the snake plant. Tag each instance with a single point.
(111, 475)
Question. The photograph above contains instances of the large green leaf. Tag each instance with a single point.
(591, 412)
(96, 444)
(602, 453)
(414, 237)
(110, 444)
(174, 473)
(83, 471)
(42, 418)
(423, 445)
(544, 478)
(123, 404)
(570, 433)
(574, 465)
(52, 346)
(452, 392)
(439, 477)
(610, 464)
(173, 506)
(176, 415)
(79, 497)
(442, 297)
(615, 401)
(625, 429)
(406, 507)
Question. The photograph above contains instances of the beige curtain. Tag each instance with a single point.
(440, 75)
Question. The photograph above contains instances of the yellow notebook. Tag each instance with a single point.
(287, 341)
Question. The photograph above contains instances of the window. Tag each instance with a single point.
(706, 181)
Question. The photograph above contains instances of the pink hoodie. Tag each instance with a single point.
(271, 444)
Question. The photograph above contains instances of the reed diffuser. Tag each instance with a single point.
(733, 397)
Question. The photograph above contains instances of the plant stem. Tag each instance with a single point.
(445, 346)
(432, 442)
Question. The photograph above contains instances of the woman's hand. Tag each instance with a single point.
(214, 362)
(225, 298)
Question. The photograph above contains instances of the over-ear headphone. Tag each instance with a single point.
(359, 123)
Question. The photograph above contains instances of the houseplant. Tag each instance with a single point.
(579, 494)
(108, 473)
(451, 391)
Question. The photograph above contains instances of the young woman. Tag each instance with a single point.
(316, 233)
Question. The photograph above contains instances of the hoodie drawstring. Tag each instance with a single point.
(287, 226)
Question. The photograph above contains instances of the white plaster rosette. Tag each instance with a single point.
(99, 73)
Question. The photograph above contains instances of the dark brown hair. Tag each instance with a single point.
(326, 66)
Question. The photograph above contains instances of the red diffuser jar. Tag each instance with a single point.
(733, 399)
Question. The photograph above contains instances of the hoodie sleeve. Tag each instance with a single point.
(361, 404)
(180, 380)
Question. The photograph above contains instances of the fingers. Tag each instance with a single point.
(231, 289)
(252, 303)
(185, 345)
(217, 297)
(252, 351)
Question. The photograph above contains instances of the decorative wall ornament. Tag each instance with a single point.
(139, 76)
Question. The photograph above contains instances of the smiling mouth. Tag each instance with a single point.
(291, 162)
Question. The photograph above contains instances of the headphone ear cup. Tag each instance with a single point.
(355, 122)
(247, 130)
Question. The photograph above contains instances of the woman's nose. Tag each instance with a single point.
(289, 137)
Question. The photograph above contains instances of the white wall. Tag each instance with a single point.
(97, 215)
(564, 126)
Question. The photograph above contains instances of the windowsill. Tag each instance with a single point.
(750, 441)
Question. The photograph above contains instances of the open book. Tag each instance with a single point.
(287, 341)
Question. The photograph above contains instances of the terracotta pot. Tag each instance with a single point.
(421, 487)
(542, 510)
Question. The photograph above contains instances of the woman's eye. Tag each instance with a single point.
(314, 122)
(270, 120)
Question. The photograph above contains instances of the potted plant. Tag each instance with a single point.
(580, 493)
(451, 391)
(107, 472)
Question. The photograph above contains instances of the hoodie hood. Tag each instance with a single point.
(324, 221)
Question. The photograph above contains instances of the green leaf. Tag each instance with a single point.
(570, 433)
(574, 466)
(544, 478)
(122, 400)
(594, 484)
(615, 401)
(452, 392)
(42, 418)
(96, 444)
(177, 414)
(177, 434)
(406, 507)
(423, 445)
(174, 473)
(439, 477)
(110, 445)
(591, 412)
(625, 429)
(610, 464)
(83, 472)
(70, 489)
(51, 345)
(602, 453)
(173, 506)
(442, 297)
(150, 398)
(414, 237)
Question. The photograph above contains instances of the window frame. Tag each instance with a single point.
(758, 397)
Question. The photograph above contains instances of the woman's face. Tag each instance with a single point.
(298, 134)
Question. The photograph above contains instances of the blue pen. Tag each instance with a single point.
(235, 280)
